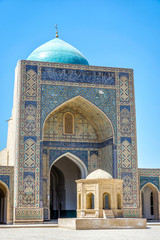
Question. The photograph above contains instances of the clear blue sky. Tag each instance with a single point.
(115, 33)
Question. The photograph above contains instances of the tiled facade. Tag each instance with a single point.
(45, 87)
(101, 99)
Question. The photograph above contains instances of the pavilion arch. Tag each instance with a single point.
(106, 200)
(100, 120)
(4, 203)
(90, 200)
(149, 200)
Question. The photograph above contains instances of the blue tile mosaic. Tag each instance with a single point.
(124, 74)
(25, 174)
(80, 76)
(93, 152)
(77, 144)
(54, 96)
(124, 174)
(153, 180)
(54, 154)
(27, 103)
(45, 151)
(30, 137)
(31, 67)
(5, 179)
(126, 138)
(127, 107)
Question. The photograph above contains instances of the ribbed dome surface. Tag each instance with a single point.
(57, 51)
(99, 174)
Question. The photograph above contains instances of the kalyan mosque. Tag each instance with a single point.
(69, 119)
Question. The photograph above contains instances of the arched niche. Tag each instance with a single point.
(149, 198)
(91, 129)
(79, 105)
(4, 203)
(106, 201)
(90, 201)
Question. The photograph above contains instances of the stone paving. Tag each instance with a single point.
(47, 233)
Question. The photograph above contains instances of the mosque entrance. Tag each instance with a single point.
(76, 129)
(3, 204)
(149, 200)
(63, 192)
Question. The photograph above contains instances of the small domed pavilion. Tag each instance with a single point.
(99, 196)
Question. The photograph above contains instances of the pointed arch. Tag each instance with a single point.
(76, 160)
(99, 119)
(149, 207)
(151, 185)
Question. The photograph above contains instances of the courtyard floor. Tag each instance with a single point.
(47, 233)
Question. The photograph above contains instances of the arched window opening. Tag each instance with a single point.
(68, 123)
(79, 201)
(90, 201)
(151, 203)
(118, 201)
(106, 201)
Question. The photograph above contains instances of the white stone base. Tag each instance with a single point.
(101, 223)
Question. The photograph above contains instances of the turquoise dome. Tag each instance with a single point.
(57, 51)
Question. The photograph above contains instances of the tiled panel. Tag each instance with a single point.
(153, 180)
(5, 179)
(53, 96)
(124, 86)
(77, 144)
(125, 120)
(80, 76)
(127, 189)
(54, 154)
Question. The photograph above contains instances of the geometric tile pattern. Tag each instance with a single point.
(54, 128)
(125, 122)
(153, 180)
(127, 189)
(107, 159)
(23, 214)
(29, 190)
(30, 119)
(29, 153)
(124, 87)
(53, 96)
(31, 83)
(126, 154)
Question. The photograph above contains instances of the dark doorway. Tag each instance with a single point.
(57, 193)
(63, 192)
(2, 206)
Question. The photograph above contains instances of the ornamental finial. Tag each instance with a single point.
(56, 30)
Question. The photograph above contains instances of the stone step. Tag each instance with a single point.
(108, 214)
